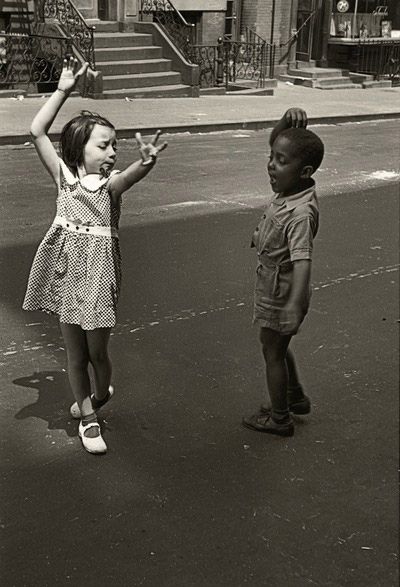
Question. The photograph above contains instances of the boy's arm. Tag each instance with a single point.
(294, 117)
(121, 182)
(296, 307)
(45, 117)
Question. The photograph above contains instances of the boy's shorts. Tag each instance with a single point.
(271, 293)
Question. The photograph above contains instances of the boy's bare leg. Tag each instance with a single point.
(293, 376)
(274, 347)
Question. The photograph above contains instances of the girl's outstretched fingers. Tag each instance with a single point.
(83, 70)
(162, 147)
(149, 151)
(155, 139)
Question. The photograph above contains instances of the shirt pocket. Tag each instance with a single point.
(274, 237)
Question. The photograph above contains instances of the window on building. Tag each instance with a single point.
(362, 18)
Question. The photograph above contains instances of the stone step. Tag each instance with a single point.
(114, 68)
(377, 84)
(304, 64)
(251, 92)
(128, 53)
(317, 72)
(170, 91)
(115, 82)
(333, 81)
(359, 78)
(103, 26)
(119, 40)
(320, 83)
(348, 86)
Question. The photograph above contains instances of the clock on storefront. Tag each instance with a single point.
(342, 6)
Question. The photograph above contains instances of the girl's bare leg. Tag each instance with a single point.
(78, 361)
(97, 344)
(274, 347)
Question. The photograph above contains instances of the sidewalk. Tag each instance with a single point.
(207, 113)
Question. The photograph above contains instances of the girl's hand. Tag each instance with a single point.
(296, 117)
(149, 151)
(70, 76)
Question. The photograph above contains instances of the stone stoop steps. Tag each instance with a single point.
(307, 74)
(323, 78)
(132, 66)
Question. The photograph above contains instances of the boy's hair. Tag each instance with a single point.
(76, 134)
(307, 145)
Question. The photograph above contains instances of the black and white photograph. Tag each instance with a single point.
(199, 268)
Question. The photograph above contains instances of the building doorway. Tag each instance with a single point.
(102, 9)
(305, 26)
(232, 19)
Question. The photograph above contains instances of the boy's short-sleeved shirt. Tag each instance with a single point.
(284, 235)
(288, 227)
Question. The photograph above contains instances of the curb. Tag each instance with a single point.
(128, 133)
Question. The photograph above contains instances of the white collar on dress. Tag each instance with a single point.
(92, 181)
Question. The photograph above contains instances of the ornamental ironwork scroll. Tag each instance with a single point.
(245, 61)
(206, 57)
(233, 61)
(72, 24)
(164, 13)
(31, 60)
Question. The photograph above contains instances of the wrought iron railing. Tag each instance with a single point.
(31, 60)
(380, 58)
(72, 24)
(296, 33)
(164, 13)
(245, 61)
(208, 58)
(229, 62)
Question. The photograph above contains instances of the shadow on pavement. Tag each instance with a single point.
(53, 397)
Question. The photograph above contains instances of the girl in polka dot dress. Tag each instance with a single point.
(76, 273)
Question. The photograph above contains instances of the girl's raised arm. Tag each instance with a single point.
(46, 115)
(121, 182)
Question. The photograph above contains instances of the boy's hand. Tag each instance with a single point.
(292, 318)
(296, 117)
(70, 74)
(149, 151)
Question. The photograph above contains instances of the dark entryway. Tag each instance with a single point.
(102, 9)
(232, 19)
(305, 26)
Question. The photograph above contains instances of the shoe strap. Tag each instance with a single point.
(90, 425)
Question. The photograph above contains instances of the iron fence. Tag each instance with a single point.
(72, 24)
(209, 60)
(230, 62)
(380, 58)
(31, 61)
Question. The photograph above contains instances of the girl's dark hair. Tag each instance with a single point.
(307, 145)
(75, 135)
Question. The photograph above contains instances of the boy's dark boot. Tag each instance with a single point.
(281, 425)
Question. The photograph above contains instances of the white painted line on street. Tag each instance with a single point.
(186, 314)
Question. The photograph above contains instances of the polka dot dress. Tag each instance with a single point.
(78, 276)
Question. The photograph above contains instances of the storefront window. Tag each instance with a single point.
(361, 19)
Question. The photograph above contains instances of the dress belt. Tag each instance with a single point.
(79, 228)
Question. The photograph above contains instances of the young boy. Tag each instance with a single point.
(284, 243)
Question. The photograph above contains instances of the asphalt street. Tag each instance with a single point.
(186, 496)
